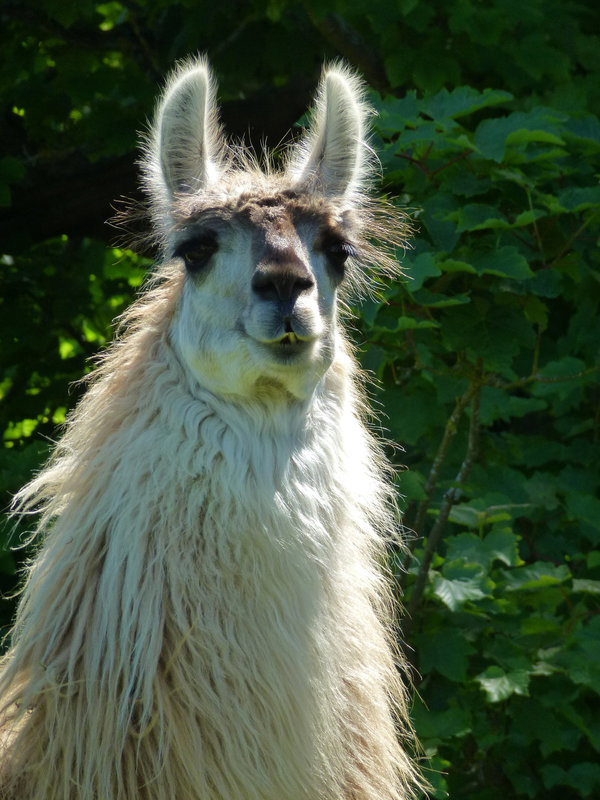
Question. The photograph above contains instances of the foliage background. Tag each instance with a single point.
(487, 355)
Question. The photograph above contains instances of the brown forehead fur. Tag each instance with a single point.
(261, 208)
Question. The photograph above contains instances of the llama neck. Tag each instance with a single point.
(197, 545)
(167, 472)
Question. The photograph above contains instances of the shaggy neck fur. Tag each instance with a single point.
(197, 643)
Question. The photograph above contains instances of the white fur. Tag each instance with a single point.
(184, 148)
(206, 618)
(333, 156)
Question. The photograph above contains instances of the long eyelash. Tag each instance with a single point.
(208, 240)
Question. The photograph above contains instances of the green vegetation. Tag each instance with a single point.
(486, 355)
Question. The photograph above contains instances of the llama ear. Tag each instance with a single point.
(187, 141)
(333, 157)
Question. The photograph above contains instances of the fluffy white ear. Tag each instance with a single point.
(184, 150)
(333, 157)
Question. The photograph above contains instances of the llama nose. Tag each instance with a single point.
(283, 283)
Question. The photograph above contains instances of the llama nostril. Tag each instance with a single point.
(283, 285)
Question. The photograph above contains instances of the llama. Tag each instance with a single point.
(206, 617)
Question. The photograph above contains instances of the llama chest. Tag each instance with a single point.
(245, 648)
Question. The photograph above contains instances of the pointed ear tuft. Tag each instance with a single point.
(185, 146)
(333, 157)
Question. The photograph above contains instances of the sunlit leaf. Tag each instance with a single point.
(500, 685)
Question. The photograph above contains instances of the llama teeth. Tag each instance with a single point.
(288, 339)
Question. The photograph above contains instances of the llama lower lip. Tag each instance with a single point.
(287, 349)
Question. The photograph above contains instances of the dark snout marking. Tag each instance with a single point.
(282, 277)
(281, 274)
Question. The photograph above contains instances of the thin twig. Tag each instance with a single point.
(353, 46)
(147, 49)
(523, 240)
(414, 161)
(451, 497)
(567, 246)
(538, 237)
(520, 382)
(459, 157)
(440, 456)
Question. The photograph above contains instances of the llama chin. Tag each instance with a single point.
(206, 617)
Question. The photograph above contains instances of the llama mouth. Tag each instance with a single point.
(290, 345)
(288, 348)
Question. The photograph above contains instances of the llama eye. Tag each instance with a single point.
(197, 252)
(337, 252)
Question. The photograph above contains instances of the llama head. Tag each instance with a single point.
(264, 252)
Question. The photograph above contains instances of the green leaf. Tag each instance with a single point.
(515, 175)
(584, 777)
(500, 685)
(412, 324)
(581, 662)
(461, 583)
(435, 771)
(445, 724)
(540, 625)
(68, 347)
(586, 586)
(437, 300)
(577, 199)
(593, 559)
(411, 414)
(492, 332)
(22, 429)
(421, 268)
(581, 507)
(389, 318)
(564, 375)
(463, 183)
(395, 114)
(462, 101)
(464, 514)
(528, 217)
(536, 576)
(534, 723)
(12, 171)
(477, 217)
(411, 485)
(546, 283)
(496, 405)
(452, 265)
(369, 309)
(424, 132)
(435, 218)
(526, 135)
(506, 262)
(445, 651)
(587, 128)
(537, 312)
(493, 136)
(499, 545)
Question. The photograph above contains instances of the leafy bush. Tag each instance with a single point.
(488, 358)
(486, 354)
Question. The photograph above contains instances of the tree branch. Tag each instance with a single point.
(348, 41)
(451, 497)
(440, 456)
